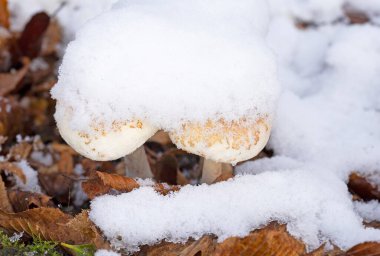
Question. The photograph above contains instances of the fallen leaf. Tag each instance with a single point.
(20, 151)
(4, 14)
(30, 41)
(361, 187)
(10, 81)
(166, 169)
(102, 183)
(80, 250)
(52, 38)
(12, 118)
(22, 200)
(273, 240)
(5, 204)
(53, 225)
(365, 249)
(14, 169)
(55, 184)
(203, 246)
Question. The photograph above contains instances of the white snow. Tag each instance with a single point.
(369, 211)
(311, 205)
(106, 253)
(210, 62)
(31, 175)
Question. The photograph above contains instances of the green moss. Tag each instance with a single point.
(13, 246)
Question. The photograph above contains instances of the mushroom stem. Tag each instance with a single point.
(137, 165)
(211, 170)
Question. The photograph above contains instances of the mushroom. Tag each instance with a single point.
(203, 74)
(223, 141)
(100, 144)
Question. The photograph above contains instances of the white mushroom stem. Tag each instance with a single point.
(212, 170)
(137, 165)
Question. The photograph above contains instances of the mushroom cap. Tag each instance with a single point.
(102, 144)
(224, 141)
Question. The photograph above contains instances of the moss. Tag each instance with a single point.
(14, 246)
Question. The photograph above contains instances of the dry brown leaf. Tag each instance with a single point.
(12, 118)
(14, 169)
(10, 81)
(203, 246)
(30, 41)
(53, 225)
(361, 187)
(4, 14)
(102, 183)
(55, 184)
(166, 169)
(5, 204)
(365, 249)
(273, 240)
(52, 38)
(20, 151)
(22, 200)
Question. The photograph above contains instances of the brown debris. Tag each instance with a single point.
(361, 187)
(22, 200)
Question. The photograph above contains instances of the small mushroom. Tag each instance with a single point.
(102, 144)
(223, 141)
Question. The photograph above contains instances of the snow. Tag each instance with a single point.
(369, 211)
(31, 175)
(234, 208)
(206, 59)
(106, 253)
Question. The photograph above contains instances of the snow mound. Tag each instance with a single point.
(234, 208)
(207, 61)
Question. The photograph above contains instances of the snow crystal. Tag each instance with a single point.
(370, 211)
(31, 178)
(106, 253)
(234, 208)
(210, 62)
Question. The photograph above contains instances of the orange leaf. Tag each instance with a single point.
(53, 225)
(10, 81)
(365, 249)
(14, 169)
(103, 183)
(273, 240)
(361, 187)
(22, 200)
(4, 14)
(5, 204)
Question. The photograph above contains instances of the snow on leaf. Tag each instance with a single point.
(14, 169)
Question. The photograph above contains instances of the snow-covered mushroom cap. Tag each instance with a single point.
(170, 63)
